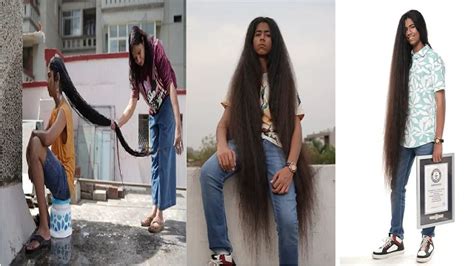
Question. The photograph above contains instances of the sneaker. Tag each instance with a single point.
(426, 249)
(221, 259)
(392, 246)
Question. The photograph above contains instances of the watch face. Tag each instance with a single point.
(292, 167)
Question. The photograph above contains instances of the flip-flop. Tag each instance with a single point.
(42, 243)
(147, 221)
(156, 226)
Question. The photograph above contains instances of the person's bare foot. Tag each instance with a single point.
(159, 217)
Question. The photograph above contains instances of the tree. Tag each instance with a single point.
(207, 149)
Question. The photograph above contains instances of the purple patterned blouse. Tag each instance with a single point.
(155, 89)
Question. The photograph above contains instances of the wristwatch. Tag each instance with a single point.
(291, 166)
(438, 140)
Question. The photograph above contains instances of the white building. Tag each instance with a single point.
(93, 36)
(101, 26)
(102, 80)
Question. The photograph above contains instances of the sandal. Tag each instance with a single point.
(156, 226)
(42, 244)
(147, 221)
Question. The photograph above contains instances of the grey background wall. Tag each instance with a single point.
(15, 220)
(10, 91)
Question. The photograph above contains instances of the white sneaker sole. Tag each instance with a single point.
(385, 256)
(423, 260)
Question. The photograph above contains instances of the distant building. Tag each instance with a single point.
(326, 137)
(92, 35)
(100, 26)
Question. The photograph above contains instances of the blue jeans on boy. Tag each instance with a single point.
(55, 177)
(284, 206)
(407, 156)
(163, 161)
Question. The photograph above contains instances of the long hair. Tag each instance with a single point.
(397, 101)
(245, 129)
(139, 73)
(82, 107)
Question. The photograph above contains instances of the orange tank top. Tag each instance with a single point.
(64, 150)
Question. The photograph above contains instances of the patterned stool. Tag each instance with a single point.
(61, 219)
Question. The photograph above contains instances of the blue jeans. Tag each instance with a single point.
(407, 156)
(55, 178)
(284, 206)
(163, 161)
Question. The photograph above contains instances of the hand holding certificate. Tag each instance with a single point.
(435, 190)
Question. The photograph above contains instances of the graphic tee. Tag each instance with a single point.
(268, 131)
(156, 88)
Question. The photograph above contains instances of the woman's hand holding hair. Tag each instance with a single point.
(112, 124)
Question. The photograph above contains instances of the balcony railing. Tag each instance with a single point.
(128, 3)
(79, 43)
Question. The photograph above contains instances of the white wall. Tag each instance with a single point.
(105, 82)
(365, 40)
(16, 221)
(174, 38)
(322, 241)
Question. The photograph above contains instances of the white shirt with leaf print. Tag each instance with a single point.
(425, 79)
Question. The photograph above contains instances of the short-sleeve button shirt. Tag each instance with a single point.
(426, 77)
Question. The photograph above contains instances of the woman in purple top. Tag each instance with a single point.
(152, 76)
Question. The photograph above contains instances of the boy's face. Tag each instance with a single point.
(53, 85)
(411, 33)
(262, 39)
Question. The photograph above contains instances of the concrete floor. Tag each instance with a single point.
(110, 233)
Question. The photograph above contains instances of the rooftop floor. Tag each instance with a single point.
(110, 233)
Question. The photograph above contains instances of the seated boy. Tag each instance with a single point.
(53, 168)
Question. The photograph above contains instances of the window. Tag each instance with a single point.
(177, 18)
(28, 60)
(89, 22)
(118, 35)
(72, 23)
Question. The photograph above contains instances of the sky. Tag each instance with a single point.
(215, 35)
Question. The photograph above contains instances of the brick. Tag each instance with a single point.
(86, 195)
(99, 195)
(100, 187)
(121, 192)
(87, 187)
(112, 192)
(76, 196)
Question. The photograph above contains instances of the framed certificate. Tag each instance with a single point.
(435, 190)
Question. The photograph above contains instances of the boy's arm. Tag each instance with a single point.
(48, 136)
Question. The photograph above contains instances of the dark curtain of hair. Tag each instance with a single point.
(397, 101)
(139, 73)
(82, 107)
(245, 130)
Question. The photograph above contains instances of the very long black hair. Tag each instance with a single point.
(245, 129)
(397, 102)
(82, 107)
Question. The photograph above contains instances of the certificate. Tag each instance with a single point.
(435, 190)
